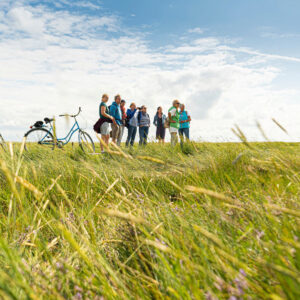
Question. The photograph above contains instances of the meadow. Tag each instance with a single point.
(211, 221)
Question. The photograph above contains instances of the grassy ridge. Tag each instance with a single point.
(217, 221)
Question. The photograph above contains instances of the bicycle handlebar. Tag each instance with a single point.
(72, 116)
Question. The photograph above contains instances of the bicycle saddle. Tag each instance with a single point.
(47, 120)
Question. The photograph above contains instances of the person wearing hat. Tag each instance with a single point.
(144, 124)
(173, 115)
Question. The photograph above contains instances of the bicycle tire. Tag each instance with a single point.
(86, 142)
(43, 133)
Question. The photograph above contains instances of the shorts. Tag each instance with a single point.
(104, 129)
(173, 130)
(115, 131)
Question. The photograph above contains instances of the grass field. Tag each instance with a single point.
(214, 221)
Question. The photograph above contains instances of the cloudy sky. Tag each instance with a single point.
(231, 62)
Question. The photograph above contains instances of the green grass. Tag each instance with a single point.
(211, 221)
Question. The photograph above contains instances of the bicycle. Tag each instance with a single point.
(3, 143)
(43, 134)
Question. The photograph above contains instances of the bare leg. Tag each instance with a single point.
(174, 138)
(103, 137)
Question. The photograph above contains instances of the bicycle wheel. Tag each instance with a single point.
(86, 143)
(39, 137)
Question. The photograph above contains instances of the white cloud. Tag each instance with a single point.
(55, 61)
(197, 30)
(23, 20)
(269, 32)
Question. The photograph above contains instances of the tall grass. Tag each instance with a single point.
(211, 221)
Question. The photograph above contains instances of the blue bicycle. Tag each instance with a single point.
(42, 134)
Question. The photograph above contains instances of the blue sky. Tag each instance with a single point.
(229, 61)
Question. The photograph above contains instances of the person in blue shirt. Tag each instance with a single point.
(184, 122)
(132, 114)
(115, 112)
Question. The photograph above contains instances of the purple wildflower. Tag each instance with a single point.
(78, 296)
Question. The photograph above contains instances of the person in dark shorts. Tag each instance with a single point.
(159, 122)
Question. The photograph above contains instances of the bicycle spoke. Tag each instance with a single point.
(86, 143)
(39, 137)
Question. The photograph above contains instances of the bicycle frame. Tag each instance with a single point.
(68, 137)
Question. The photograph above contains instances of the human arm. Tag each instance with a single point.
(172, 113)
(129, 113)
(124, 114)
(104, 114)
(189, 118)
(112, 112)
(155, 120)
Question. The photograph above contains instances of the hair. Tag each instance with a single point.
(158, 110)
(123, 101)
(117, 96)
(132, 104)
(104, 96)
(175, 101)
(182, 105)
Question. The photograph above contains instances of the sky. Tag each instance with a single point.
(230, 62)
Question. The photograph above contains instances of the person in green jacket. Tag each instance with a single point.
(174, 122)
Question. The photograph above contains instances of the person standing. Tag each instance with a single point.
(132, 114)
(115, 111)
(173, 115)
(184, 121)
(159, 122)
(122, 127)
(144, 124)
(102, 126)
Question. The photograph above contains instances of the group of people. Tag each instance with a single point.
(115, 118)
